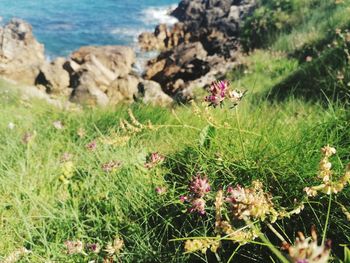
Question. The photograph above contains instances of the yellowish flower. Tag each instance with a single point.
(116, 247)
(16, 255)
(74, 247)
(202, 245)
(329, 185)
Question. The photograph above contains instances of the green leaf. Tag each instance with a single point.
(206, 135)
(346, 255)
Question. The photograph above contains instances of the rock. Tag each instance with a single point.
(161, 32)
(235, 13)
(189, 10)
(54, 77)
(154, 67)
(123, 90)
(185, 62)
(150, 92)
(21, 55)
(213, 15)
(117, 59)
(205, 40)
(102, 75)
(163, 38)
(148, 42)
(90, 96)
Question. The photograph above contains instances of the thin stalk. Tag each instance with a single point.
(272, 248)
(234, 253)
(327, 219)
(280, 237)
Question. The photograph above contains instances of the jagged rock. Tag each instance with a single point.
(123, 89)
(89, 95)
(163, 38)
(189, 10)
(102, 75)
(21, 55)
(54, 77)
(148, 41)
(117, 59)
(212, 25)
(186, 62)
(150, 92)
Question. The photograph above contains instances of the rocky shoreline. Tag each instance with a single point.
(198, 49)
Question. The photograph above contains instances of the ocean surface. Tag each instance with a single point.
(65, 25)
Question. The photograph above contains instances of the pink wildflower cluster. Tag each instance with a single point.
(161, 190)
(153, 160)
(199, 187)
(219, 91)
(250, 203)
(74, 247)
(111, 166)
(91, 146)
(307, 250)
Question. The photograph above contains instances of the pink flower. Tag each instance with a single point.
(199, 186)
(66, 157)
(161, 190)
(307, 250)
(236, 194)
(111, 166)
(93, 248)
(154, 159)
(183, 198)
(74, 247)
(198, 205)
(91, 146)
(218, 91)
(308, 59)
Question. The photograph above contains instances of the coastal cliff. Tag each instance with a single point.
(198, 49)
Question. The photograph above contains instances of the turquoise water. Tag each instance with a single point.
(65, 25)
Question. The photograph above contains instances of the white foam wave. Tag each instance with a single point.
(129, 32)
(158, 15)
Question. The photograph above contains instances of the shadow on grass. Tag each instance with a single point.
(322, 79)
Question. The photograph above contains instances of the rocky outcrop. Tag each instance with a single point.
(91, 75)
(150, 92)
(54, 77)
(185, 62)
(163, 37)
(212, 25)
(21, 55)
(102, 75)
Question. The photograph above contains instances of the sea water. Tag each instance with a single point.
(65, 25)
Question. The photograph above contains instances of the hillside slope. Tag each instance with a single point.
(89, 176)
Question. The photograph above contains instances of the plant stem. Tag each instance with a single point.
(327, 219)
(234, 253)
(272, 248)
(280, 237)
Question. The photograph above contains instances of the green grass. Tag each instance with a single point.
(291, 110)
(281, 143)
